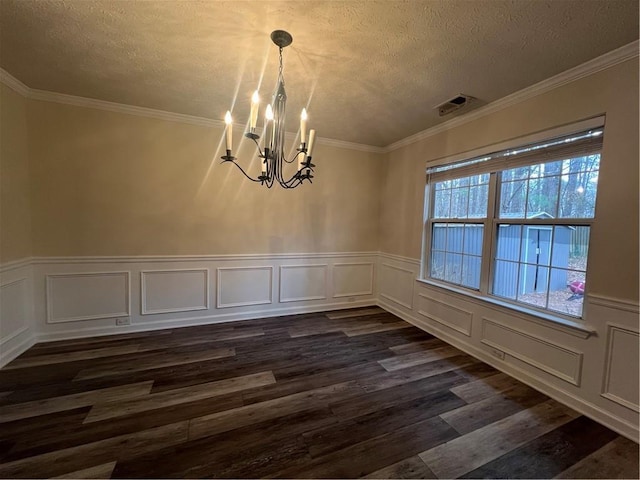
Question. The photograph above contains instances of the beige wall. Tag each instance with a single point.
(15, 215)
(107, 183)
(613, 268)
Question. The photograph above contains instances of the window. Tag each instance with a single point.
(514, 224)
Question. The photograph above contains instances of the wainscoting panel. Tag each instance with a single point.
(450, 316)
(73, 297)
(14, 318)
(543, 354)
(621, 368)
(16, 309)
(352, 279)
(172, 291)
(244, 286)
(396, 284)
(303, 282)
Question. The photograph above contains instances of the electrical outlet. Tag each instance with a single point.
(123, 321)
(497, 353)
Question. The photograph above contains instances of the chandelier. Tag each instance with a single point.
(271, 149)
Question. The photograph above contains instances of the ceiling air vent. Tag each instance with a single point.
(454, 104)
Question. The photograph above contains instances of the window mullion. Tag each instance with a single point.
(488, 237)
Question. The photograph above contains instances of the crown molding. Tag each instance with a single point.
(54, 97)
(591, 67)
(598, 64)
(13, 83)
(349, 145)
(47, 96)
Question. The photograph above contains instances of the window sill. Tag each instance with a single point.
(572, 327)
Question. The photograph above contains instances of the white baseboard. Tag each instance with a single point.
(586, 408)
(14, 352)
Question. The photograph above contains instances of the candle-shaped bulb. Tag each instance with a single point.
(228, 121)
(312, 142)
(268, 126)
(255, 101)
(303, 125)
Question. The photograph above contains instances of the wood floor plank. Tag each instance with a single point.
(270, 409)
(617, 459)
(418, 358)
(366, 330)
(363, 312)
(411, 374)
(553, 451)
(476, 371)
(392, 415)
(415, 347)
(33, 428)
(71, 356)
(252, 451)
(304, 329)
(99, 471)
(322, 362)
(412, 467)
(168, 360)
(483, 412)
(68, 402)
(72, 434)
(366, 457)
(311, 330)
(85, 456)
(96, 342)
(313, 380)
(374, 400)
(485, 388)
(176, 341)
(154, 401)
(466, 453)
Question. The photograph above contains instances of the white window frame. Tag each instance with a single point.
(492, 221)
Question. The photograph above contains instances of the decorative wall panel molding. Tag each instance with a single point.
(173, 291)
(450, 316)
(550, 357)
(396, 284)
(352, 279)
(303, 282)
(620, 383)
(244, 286)
(73, 297)
(14, 317)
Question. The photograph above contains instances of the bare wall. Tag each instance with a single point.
(613, 268)
(15, 214)
(107, 183)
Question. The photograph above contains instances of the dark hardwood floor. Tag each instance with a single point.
(356, 393)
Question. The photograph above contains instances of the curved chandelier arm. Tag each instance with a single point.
(232, 160)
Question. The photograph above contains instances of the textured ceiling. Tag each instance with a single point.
(369, 71)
